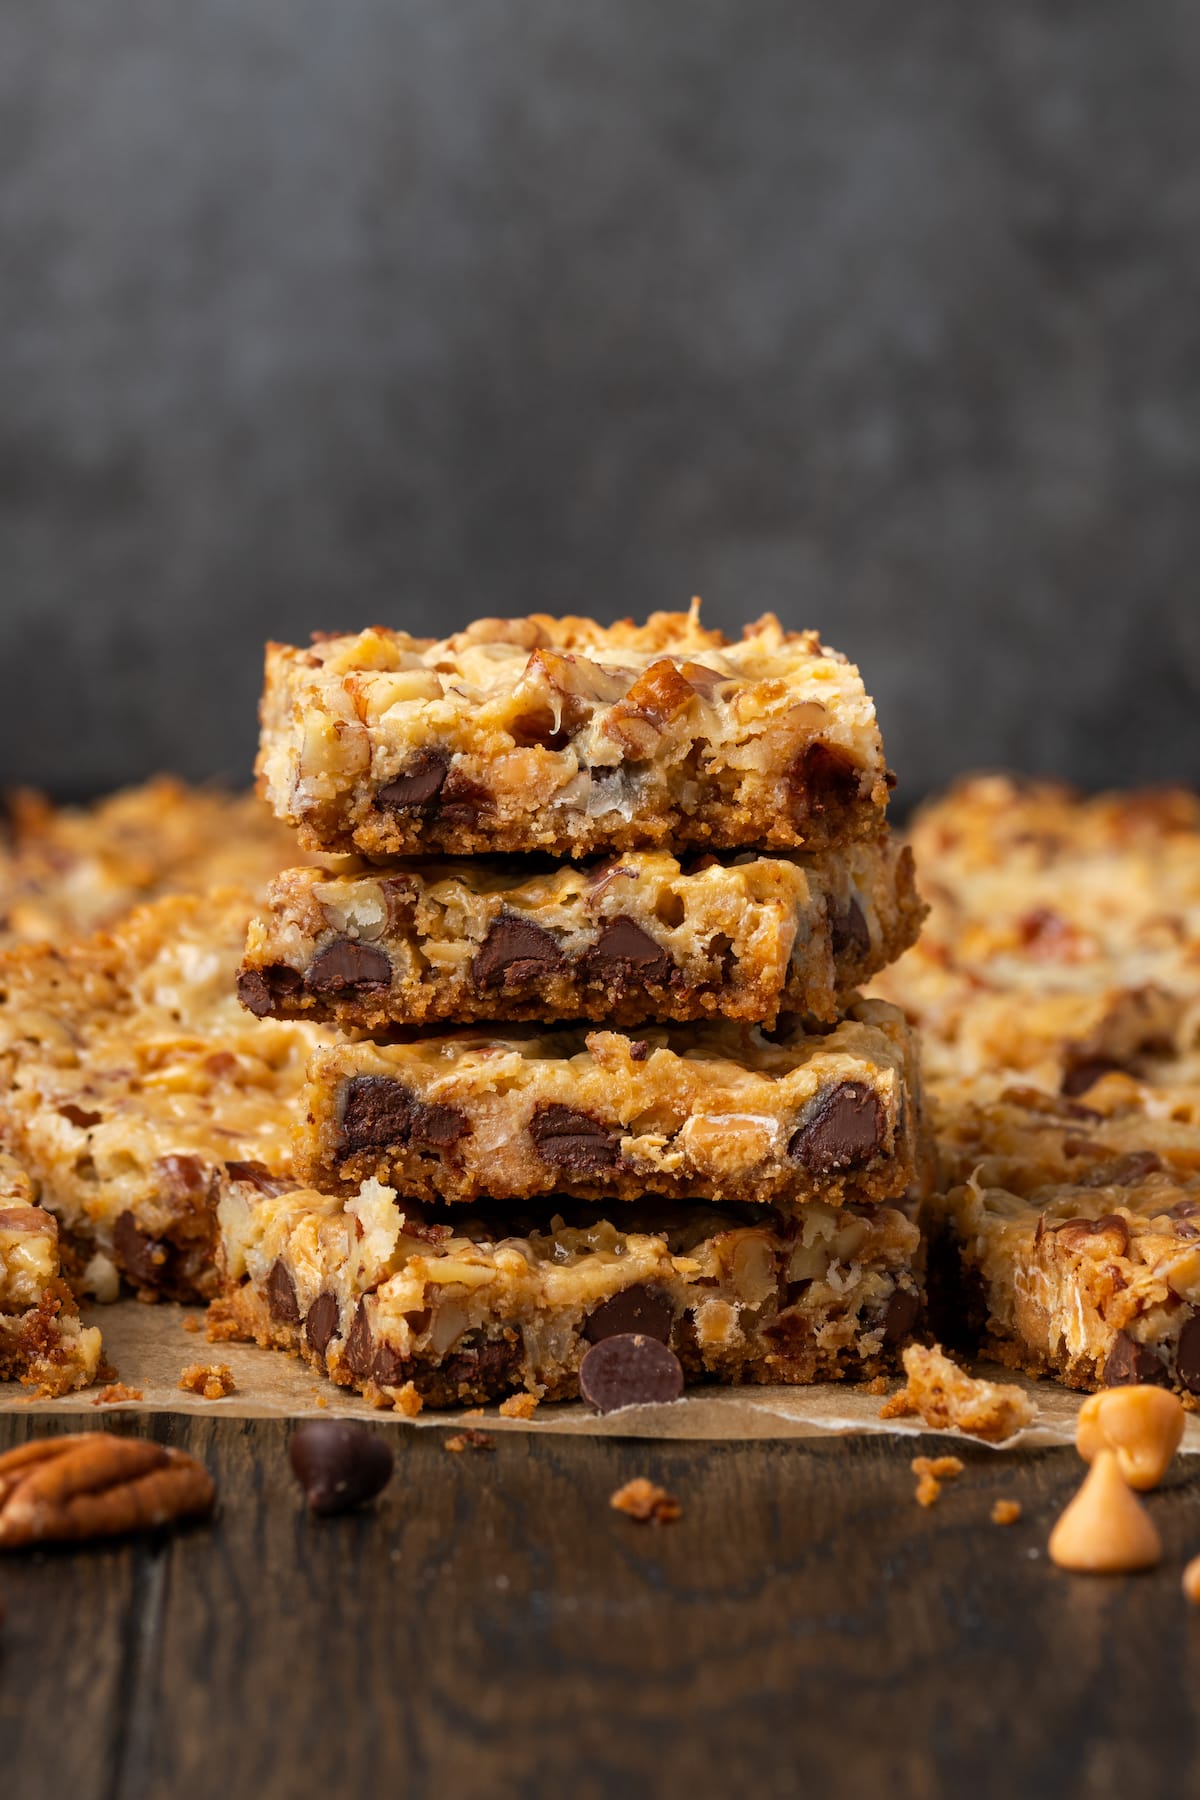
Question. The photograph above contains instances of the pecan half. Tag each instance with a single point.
(93, 1484)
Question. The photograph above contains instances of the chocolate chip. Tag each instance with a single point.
(281, 1294)
(359, 1352)
(461, 799)
(513, 951)
(637, 1309)
(572, 1141)
(259, 1176)
(483, 1368)
(629, 1370)
(418, 786)
(1187, 1356)
(1082, 1075)
(1130, 1363)
(849, 931)
(899, 1316)
(625, 953)
(1125, 1171)
(321, 1323)
(78, 1116)
(639, 1050)
(438, 1127)
(347, 964)
(339, 1464)
(845, 1127)
(377, 1110)
(821, 778)
(389, 1368)
(143, 1258)
(261, 991)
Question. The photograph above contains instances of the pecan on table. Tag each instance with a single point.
(92, 1484)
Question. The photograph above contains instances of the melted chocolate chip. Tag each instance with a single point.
(259, 1176)
(572, 1141)
(629, 1369)
(418, 786)
(359, 1353)
(143, 1258)
(821, 779)
(78, 1116)
(438, 1127)
(1187, 1356)
(899, 1317)
(845, 1128)
(1125, 1171)
(339, 1464)
(1131, 1364)
(389, 1368)
(343, 963)
(321, 1323)
(482, 1369)
(1083, 1075)
(635, 1309)
(281, 1294)
(625, 953)
(377, 1111)
(461, 799)
(261, 991)
(849, 931)
(513, 951)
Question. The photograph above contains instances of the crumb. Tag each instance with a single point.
(190, 1322)
(519, 1406)
(219, 1330)
(322, 1401)
(878, 1386)
(473, 1412)
(469, 1440)
(645, 1502)
(211, 1380)
(407, 1401)
(1006, 1512)
(931, 1471)
(115, 1393)
(946, 1397)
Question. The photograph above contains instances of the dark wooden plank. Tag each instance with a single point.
(492, 1627)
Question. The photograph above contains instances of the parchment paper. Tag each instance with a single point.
(150, 1346)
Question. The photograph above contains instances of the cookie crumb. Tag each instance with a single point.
(212, 1381)
(1006, 1512)
(878, 1386)
(519, 1406)
(643, 1501)
(469, 1440)
(473, 1412)
(407, 1401)
(191, 1322)
(947, 1398)
(115, 1392)
(931, 1471)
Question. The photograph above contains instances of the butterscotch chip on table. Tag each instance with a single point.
(642, 936)
(390, 1301)
(132, 1082)
(947, 1398)
(711, 1112)
(43, 1341)
(1105, 1530)
(647, 1502)
(1142, 1426)
(564, 736)
(212, 1381)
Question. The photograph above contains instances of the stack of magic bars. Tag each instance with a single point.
(607, 1110)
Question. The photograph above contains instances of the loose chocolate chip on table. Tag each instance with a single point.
(418, 785)
(573, 1141)
(1132, 1363)
(261, 990)
(849, 931)
(1083, 1075)
(637, 1309)
(1187, 1356)
(515, 950)
(624, 952)
(281, 1294)
(900, 1315)
(629, 1369)
(321, 1323)
(845, 1127)
(377, 1110)
(339, 1464)
(347, 964)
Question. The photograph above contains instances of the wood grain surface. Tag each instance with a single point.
(492, 1627)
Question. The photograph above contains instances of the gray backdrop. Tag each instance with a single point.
(317, 313)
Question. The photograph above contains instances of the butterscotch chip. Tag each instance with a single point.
(519, 1406)
(115, 1393)
(931, 1472)
(1106, 1529)
(946, 1398)
(213, 1381)
(1006, 1512)
(1191, 1581)
(469, 1440)
(1143, 1426)
(643, 1501)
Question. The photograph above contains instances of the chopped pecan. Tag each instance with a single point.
(92, 1484)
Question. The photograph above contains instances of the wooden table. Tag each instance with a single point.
(492, 1627)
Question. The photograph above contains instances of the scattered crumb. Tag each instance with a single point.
(191, 1322)
(1006, 1512)
(931, 1471)
(519, 1406)
(322, 1401)
(217, 1328)
(473, 1412)
(645, 1502)
(945, 1397)
(878, 1386)
(211, 1380)
(115, 1392)
(407, 1401)
(469, 1440)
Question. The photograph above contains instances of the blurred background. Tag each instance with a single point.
(321, 313)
